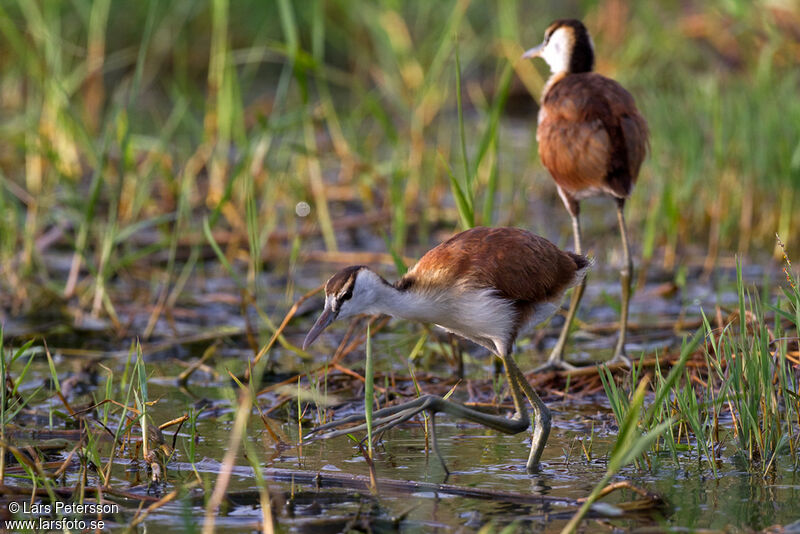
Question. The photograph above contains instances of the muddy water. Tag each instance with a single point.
(477, 458)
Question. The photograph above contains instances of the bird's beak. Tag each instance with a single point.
(325, 318)
(533, 52)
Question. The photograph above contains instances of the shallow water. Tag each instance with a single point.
(477, 458)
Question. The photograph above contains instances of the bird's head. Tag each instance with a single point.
(351, 291)
(567, 47)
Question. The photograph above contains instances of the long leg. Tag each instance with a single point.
(625, 275)
(392, 416)
(556, 359)
(518, 385)
(541, 415)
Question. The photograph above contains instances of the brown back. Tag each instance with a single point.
(518, 264)
(591, 135)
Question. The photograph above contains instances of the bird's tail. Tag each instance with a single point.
(583, 265)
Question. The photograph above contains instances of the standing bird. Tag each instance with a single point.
(593, 140)
(483, 284)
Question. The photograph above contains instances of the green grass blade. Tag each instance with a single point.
(464, 209)
(369, 389)
(220, 255)
(468, 177)
(142, 397)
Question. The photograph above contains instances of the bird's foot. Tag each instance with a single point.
(382, 420)
(554, 364)
(387, 418)
(620, 359)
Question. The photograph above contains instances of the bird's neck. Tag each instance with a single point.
(406, 304)
(552, 80)
(580, 61)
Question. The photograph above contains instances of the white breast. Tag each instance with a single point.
(476, 313)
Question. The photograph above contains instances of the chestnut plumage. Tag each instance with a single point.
(592, 140)
(591, 137)
(484, 284)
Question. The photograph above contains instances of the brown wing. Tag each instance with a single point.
(591, 135)
(519, 265)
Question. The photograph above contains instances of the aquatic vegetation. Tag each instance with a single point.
(412, 100)
(745, 376)
(173, 175)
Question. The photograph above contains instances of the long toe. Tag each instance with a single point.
(382, 419)
(320, 430)
(340, 432)
(554, 365)
(378, 425)
(620, 359)
(386, 423)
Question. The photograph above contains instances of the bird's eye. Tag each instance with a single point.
(347, 294)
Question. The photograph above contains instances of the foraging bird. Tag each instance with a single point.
(483, 284)
(593, 140)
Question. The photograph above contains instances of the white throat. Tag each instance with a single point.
(407, 305)
(372, 295)
(476, 314)
(557, 51)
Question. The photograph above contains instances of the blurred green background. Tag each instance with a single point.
(135, 134)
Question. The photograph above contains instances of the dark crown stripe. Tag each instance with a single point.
(342, 279)
(582, 59)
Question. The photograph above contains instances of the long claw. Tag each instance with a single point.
(400, 418)
(383, 412)
(334, 424)
(555, 365)
(620, 358)
(380, 417)
(390, 417)
(378, 425)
